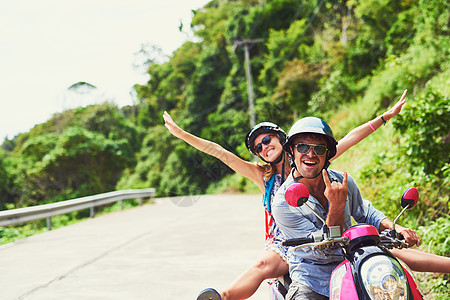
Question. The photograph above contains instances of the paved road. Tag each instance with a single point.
(168, 250)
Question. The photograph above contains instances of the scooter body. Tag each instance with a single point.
(370, 271)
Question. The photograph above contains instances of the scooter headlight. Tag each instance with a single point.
(336, 282)
(384, 278)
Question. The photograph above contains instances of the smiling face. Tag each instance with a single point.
(309, 165)
(271, 151)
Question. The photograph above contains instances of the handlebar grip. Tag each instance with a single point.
(298, 241)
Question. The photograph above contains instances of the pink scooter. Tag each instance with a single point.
(369, 270)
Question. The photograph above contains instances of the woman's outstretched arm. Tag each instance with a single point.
(420, 261)
(364, 130)
(237, 164)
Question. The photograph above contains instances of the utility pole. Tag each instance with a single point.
(248, 70)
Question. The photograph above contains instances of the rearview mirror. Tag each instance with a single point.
(297, 194)
(410, 198)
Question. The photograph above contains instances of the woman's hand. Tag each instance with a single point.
(397, 107)
(172, 126)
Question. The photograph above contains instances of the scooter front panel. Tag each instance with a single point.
(342, 285)
(417, 295)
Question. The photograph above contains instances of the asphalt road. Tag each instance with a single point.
(168, 250)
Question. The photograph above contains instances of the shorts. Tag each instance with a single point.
(275, 245)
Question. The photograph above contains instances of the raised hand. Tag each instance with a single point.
(171, 125)
(397, 107)
(335, 192)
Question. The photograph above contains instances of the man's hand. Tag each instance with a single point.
(410, 235)
(335, 192)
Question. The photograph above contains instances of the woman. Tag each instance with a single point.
(266, 140)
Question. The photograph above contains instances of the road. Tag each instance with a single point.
(171, 249)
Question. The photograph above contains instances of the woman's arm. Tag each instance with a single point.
(363, 131)
(420, 261)
(237, 164)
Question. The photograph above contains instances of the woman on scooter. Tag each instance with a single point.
(265, 140)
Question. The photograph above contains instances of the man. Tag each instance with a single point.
(334, 195)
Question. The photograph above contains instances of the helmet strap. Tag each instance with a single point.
(298, 178)
(279, 158)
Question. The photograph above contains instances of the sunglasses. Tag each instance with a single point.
(266, 141)
(304, 148)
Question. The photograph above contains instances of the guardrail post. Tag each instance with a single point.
(92, 212)
(121, 204)
(49, 223)
(140, 201)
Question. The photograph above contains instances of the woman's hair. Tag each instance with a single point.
(269, 169)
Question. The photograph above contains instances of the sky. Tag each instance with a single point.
(46, 46)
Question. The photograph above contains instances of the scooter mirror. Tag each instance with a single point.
(297, 194)
(410, 198)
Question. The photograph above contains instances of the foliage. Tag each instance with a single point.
(60, 166)
(426, 131)
(49, 163)
(6, 184)
(435, 239)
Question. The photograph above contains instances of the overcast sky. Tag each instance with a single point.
(48, 45)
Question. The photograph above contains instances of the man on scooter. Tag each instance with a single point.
(333, 194)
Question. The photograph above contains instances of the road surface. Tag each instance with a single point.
(168, 250)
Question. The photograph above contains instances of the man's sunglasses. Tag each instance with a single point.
(304, 148)
(266, 141)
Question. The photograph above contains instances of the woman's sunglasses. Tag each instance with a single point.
(266, 141)
(304, 148)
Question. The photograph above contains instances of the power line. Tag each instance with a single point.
(311, 19)
(297, 12)
(247, 44)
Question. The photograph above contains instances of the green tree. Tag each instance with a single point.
(6, 188)
(75, 163)
(78, 152)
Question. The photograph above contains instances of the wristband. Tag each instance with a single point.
(382, 118)
(371, 127)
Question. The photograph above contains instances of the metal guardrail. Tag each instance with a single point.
(23, 215)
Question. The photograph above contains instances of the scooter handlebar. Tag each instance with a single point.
(298, 241)
(391, 239)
